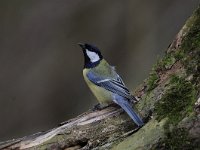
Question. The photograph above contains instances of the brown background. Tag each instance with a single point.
(41, 80)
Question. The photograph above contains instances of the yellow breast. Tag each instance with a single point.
(103, 96)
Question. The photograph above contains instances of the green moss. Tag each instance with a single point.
(178, 55)
(175, 140)
(162, 64)
(191, 48)
(166, 62)
(177, 100)
(152, 80)
(175, 104)
(192, 39)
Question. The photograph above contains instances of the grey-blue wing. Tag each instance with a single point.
(114, 85)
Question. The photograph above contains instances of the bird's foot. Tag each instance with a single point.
(98, 107)
(103, 106)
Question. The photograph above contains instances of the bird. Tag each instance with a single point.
(105, 83)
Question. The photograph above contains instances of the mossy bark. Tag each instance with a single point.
(169, 104)
(172, 94)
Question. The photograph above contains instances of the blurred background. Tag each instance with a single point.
(41, 81)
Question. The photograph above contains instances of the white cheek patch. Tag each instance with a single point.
(93, 56)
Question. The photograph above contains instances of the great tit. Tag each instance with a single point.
(105, 83)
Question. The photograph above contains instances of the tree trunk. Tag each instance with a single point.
(169, 104)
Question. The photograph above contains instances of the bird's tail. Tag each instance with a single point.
(129, 110)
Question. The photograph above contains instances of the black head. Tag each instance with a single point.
(92, 55)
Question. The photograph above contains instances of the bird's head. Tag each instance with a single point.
(92, 55)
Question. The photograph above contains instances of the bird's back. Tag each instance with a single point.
(105, 70)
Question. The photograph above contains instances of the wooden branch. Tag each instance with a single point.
(89, 130)
(169, 104)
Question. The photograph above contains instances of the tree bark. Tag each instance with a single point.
(169, 104)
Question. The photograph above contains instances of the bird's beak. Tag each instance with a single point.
(81, 45)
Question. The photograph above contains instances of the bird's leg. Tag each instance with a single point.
(103, 106)
(97, 107)
(114, 105)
